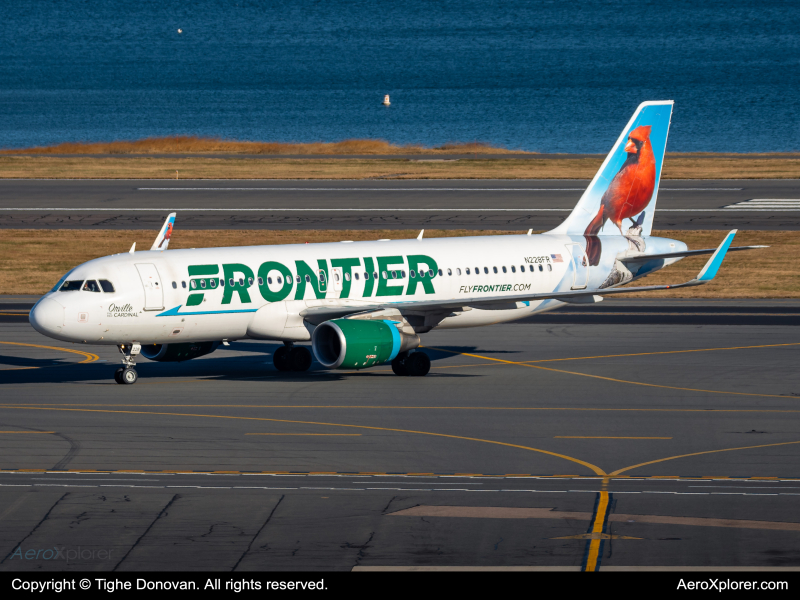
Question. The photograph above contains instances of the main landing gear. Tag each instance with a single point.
(292, 358)
(126, 374)
(416, 364)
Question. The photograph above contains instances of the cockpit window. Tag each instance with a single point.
(106, 285)
(72, 286)
(91, 286)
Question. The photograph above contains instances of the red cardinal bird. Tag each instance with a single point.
(629, 192)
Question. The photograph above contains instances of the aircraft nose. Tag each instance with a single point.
(47, 317)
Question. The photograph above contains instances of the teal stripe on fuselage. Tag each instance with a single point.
(173, 312)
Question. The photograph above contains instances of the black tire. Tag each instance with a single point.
(300, 358)
(118, 375)
(399, 367)
(129, 376)
(418, 364)
(280, 359)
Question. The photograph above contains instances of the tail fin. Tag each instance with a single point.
(162, 241)
(634, 185)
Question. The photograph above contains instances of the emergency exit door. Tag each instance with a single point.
(153, 290)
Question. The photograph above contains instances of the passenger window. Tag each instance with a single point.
(335, 276)
(541, 268)
(108, 287)
(249, 281)
(261, 280)
(269, 281)
(193, 283)
(356, 274)
(477, 270)
(366, 276)
(549, 267)
(183, 283)
(458, 271)
(449, 272)
(221, 283)
(174, 285)
(202, 283)
(394, 274)
(513, 269)
(385, 275)
(308, 278)
(374, 274)
(403, 274)
(532, 268)
(279, 280)
(413, 273)
(322, 276)
(91, 286)
(72, 286)
(230, 282)
(522, 268)
(241, 281)
(504, 270)
(430, 272)
(494, 269)
(346, 276)
(467, 270)
(486, 270)
(213, 283)
(440, 273)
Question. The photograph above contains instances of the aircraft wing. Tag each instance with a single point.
(706, 274)
(646, 257)
(162, 241)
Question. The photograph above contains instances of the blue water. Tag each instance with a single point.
(546, 76)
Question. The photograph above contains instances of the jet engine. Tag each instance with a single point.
(177, 352)
(360, 343)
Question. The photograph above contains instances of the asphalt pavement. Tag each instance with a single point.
(627, 437)
(386, 204)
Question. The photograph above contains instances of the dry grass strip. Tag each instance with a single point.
(185, 144)
(32, 261)
(117, 167)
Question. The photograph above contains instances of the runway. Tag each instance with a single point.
(368, 204)
(632, 436)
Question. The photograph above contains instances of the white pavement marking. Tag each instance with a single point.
(766, 205)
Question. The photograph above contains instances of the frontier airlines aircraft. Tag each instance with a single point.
(361, 304)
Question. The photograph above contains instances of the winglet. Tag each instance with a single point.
(133, 248)
(712, 266)
(162, 241)
(419, 237)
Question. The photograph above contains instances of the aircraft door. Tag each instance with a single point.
(337, 275)
(153, 290)
(580, 266)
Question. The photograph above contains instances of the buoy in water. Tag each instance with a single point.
(386, 100)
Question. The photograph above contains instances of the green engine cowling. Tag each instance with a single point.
(177, 352)
(359, 343)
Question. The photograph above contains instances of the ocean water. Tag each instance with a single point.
(545, 76)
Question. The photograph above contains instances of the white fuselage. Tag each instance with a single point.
(213, 294)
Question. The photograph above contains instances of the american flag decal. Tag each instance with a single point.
(556, 258)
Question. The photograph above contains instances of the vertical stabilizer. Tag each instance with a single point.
(623, 193)
(162, 241)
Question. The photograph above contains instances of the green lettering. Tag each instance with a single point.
(231, 272)
(414, 262)
(319, 287)
(385, 264)
(347, 265)
(194, 270)
(369, 284)
(263, 273)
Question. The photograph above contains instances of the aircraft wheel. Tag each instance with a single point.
(300, 358)
(118, 375)
(399, 367)
(280, 359)
(418, 364)
(129, 376)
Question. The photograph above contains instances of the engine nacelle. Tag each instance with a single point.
(359, 343)
(177, 352)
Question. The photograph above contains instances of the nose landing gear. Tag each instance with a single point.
(126, 374)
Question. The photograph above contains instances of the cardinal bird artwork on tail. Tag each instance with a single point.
(629, 192)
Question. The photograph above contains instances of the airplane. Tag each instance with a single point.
(363, 304)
